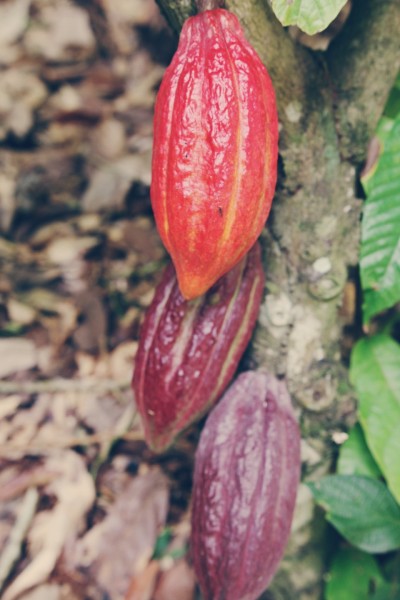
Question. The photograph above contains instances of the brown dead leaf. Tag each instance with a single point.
(108, 139)
(49, 591)
(15, 482)
(121, 360)
(140, 235)
(90, 336)
(142, 585)
(107, 191)
(61, 33)
(49, 232)
(65, 250)
(110, 184)
(56, 313)
(21, 93)
(178, 583)
(122, 544)
(122, 15)
(8, 512)
(16, 354)
(7, 201)
(132, 12)
(75, 493)
(14, 16)
(50, 421)
(101, 414)
(20, 313)
(13, 546)
(8, 406)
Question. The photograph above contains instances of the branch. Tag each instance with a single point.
(176, 12)
(11, 448)
(53, 386)
(292, 68)
(364, 61)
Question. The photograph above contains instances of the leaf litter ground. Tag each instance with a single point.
(83, 502)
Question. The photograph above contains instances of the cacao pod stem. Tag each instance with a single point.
(203, 5)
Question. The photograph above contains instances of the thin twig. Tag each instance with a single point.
(11, 448)
(53, 386)
(12, 550)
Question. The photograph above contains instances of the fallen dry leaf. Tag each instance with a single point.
(14, 16)
(61, 33)
(20, 313)
(109, 140)
(49, 592)
(7, 200)
(131, 526)
(21, 93)
(51, 529)
(178, 582)
(90, 336)
(142, 585)
(121, 360)
(16, 354)
(13, 547)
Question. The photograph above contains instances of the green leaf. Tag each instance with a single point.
(375, 373)
(355, 457)
(392, 108)
(387, 591)
(383, 131)
(362, 510)
(162, 543)
(380, 238)
(309, 15)
(354, 575)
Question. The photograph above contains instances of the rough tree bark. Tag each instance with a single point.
(329, 105)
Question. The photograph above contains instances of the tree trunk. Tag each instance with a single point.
(329, 105)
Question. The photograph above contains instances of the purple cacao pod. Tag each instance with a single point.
(246, 475)
(189, 350)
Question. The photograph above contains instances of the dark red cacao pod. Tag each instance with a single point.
(215, 150)
(247, 470)
(189, 350)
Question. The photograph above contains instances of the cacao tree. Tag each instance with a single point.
(329, 104)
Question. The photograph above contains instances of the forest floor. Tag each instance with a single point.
(87, 511)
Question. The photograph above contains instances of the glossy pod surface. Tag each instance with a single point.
(189, 350)
(215, 150)
(246, 476)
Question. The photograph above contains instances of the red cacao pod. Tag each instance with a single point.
(215, 150)
(189, 350)
(247, 470)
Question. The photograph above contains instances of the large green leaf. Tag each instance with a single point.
(362, 510)
(355, 575)
(355, 457)
(309, 15)
(380, 243)
(375, 373)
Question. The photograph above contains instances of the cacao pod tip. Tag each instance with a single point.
(190, 286)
